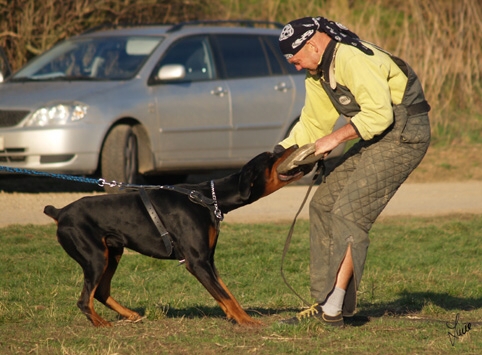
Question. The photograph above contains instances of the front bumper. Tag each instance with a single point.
(70, 149)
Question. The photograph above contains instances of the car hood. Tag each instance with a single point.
(31, 95)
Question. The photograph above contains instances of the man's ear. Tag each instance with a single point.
(312, 46)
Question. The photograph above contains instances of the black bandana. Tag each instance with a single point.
(296, 33)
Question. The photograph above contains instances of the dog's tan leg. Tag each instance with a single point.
(205, 271)
(93, 273)
(86, 305)
(123, 311)
(233, 309)
(102, 293)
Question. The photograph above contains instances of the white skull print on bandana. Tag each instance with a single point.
(287, 32)
(302, 39)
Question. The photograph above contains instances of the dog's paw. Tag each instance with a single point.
(130, 320)
(250, 322)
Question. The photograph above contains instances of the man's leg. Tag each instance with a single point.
(334, 303)
(322, 241)
(346, 271)
(343, 211)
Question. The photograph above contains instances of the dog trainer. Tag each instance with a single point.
(385, 107)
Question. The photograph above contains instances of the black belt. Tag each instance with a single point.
(421, 107)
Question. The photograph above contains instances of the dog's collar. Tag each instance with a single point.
(217, 212)
(198, 197)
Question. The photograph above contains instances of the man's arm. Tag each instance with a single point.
(326, 144)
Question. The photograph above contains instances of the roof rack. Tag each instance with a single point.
(178, 26)
(247, 23)
(107, 25)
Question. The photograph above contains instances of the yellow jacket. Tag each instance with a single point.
(376, 82)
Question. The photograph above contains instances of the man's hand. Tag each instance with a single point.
(326, 144)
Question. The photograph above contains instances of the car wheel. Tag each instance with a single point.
(119, 157)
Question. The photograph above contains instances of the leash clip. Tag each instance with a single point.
(218, 213)
(101, 182)
(195, 196)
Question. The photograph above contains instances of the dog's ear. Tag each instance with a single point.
(252, 171)
(246, 181)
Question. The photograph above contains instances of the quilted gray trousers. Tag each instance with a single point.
(343, 210)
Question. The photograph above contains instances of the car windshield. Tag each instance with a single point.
(91, 58)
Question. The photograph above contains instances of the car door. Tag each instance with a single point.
(194, 112)
(262, 94)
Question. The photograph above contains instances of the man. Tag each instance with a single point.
(385, 107)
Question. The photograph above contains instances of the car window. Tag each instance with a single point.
(273, 56)
(243, 56)
(274, 45)
(109, 58)
(194, 53)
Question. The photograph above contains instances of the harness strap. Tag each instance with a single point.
(320, 169)
(166, 239)
(193, 195)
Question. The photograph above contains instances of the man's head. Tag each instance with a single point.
(310, 54)
(296, 34)
(302, 41)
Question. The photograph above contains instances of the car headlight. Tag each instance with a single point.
(55, 115)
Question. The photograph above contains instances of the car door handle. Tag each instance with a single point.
(219, 91)
(283, 87)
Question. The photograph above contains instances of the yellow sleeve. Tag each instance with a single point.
(376, 82)
(318, 116)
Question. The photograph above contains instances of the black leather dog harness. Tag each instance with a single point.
(194, 196)
(166, 239)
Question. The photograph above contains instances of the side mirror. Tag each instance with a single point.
(171, 72)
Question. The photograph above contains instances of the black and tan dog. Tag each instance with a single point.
(95, 230)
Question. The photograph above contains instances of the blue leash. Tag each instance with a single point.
(100, 182)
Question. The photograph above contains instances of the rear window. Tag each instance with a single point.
(243, 56)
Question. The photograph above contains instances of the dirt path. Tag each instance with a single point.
(418, 199)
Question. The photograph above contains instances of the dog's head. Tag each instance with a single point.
(259, 177)
(256, 179)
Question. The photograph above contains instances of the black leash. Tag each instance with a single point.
(320, 169)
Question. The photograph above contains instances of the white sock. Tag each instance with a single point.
(334, 302)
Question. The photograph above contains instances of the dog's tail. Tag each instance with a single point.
(52, 212)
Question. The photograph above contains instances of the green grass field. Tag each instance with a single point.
(422, 274)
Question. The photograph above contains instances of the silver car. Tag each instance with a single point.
(123, 103)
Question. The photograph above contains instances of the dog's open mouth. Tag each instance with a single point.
(299, 162)
(292, 174)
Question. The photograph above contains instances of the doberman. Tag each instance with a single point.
(95, 230)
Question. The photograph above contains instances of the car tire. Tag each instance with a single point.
(119, 160)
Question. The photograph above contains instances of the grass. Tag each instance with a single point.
(420, 273)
